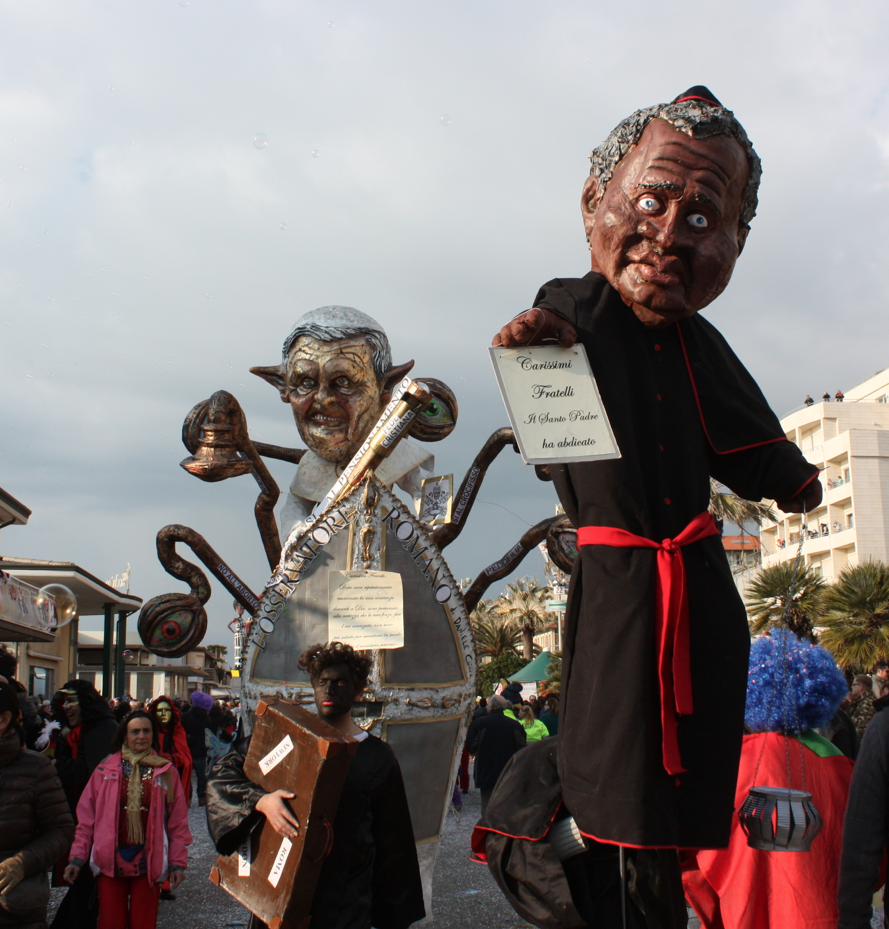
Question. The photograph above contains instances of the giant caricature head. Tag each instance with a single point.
(337, 376)
(668, 203)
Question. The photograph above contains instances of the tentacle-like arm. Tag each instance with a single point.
(508, 563)
(215, 432)
(444, 535)
(192, 574)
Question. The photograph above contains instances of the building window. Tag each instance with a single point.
(144, 686)
(850, 520)
(41, 682)
(846, 476)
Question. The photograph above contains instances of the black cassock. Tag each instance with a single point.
(682, 408)
(371, 877)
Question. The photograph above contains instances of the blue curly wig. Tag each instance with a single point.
(792, 685)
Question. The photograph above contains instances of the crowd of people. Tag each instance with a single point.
(96, 793)
(94, 797)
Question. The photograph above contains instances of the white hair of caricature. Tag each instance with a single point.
(330, 323)
(696, 119)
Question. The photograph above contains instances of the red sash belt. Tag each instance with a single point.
(671, 619)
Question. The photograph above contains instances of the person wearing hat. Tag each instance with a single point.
(493, 739)
(653, 612)
(36, 825)
(196, 723)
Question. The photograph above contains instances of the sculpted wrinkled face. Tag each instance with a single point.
(665, 233)
(335, 395)
(164, 713)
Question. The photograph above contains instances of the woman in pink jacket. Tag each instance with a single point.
(132, 827)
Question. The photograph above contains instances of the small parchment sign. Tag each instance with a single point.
(553, 404)
(366, 609)
(436, 500)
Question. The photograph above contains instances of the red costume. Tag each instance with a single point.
(173, 743)
(743, 888)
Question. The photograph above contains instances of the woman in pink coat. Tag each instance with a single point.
(132, 827)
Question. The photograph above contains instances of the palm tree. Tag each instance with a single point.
(856, 619)
(524, 603)
(494, 635)
(768, 599)
(729, 507)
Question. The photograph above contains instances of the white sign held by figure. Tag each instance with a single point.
(553, 404)
(366, 609)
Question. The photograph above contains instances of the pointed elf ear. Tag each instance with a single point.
(392, 377)
(275, 375)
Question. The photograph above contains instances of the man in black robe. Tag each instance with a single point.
(653, 695)
(371, 876)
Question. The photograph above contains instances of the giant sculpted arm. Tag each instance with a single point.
(777, 471)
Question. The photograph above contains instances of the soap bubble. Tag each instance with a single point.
(283, 226)
(329, 24)
(445, 119)
(316, 153)
(260, 140)
(127, 655)
(183, 2)
(59, 603)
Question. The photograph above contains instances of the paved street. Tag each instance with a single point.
(464, 893)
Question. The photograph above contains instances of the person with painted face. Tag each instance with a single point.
(666, 211)
(89, 728)
(132, 827)
(36, 826)
(172, 740)
(371, 877)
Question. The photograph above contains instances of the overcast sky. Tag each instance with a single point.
(423, 163)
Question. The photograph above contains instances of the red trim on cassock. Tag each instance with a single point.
(806, 484)
(671, 620)
(477, 839)
(694, 388)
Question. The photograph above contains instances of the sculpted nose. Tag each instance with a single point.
(664, 230)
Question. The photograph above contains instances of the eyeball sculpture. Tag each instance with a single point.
(171, 625)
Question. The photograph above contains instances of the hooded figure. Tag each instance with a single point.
(173, 742)
(84, 744)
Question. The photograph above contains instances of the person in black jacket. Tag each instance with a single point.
(372, 876)
(493, 739)
(196, 723)
(85, 741)
(865, 827)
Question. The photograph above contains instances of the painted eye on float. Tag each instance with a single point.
(697, 221)
(438, 414)
(649, 204)
(440, 417)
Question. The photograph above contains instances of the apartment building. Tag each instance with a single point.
(849, 441)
